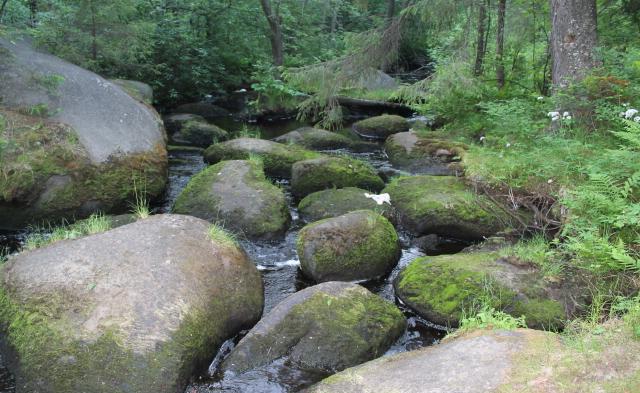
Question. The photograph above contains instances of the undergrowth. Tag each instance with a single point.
(45, 235)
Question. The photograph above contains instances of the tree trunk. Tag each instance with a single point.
(33, 8)
(2, 8)
(573, 39)
(480, 49)
(275, 36)
(391, 11)
(502, 8)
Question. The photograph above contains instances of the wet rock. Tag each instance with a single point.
(360, 245)
(443, 205)
(77, 142)
(409, 151)
(236, 195)
(336, 202)
(199, 133)
(205, 109)
(277, 158)
(333, 172)
(325, 328)
(381, 127)
(317, 139)
(138, 308)
(441, 289)
(138, 90)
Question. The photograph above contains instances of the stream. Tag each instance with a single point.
(279, 265)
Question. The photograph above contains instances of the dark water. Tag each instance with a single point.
(279, 265)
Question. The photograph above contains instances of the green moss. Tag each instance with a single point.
(445, 288)
(277, 158)
(445, 206)
(381, 126)
(336, 202)
(38, 151)
(200, 133)
(333, 172)
(194, 198)
(350, 252)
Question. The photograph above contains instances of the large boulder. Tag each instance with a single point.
(493, 361)
(317, 139)
(237, 196)
(199, 133)
(138, 90)
(325, 328)
(139, 308)
(381, 127)
(336, 202)
(277, 158)
(332, 172)
(432, 156)
(175, 121)
(441, 289)
(444, 205)
(75, 142)
(203, 108)
(360, 245)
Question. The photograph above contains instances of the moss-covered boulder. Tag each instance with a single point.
(277, 158)
(501, 361)
(432, 156)
(175, 121)
(72, 143)
(205, 109)
(444, 205)
(237, 196)
(336, 202)
(199, 133)
(381, 127)
(139, 308)
(318, 139)
(360, 245)
(324, 328)
(441, 289)
(138, 90)
(333, 172)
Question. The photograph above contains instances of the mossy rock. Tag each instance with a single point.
(237, 196)
(139, 308)
(325, 328)
(277, 158)
(47, 174)
(318, 139)
(333, 172)
(441, 289)
(432, 156)
(199, 133)
(381, 127)
(336, 202)
(138, 90)
(205, 109)
(360, 245)
(445, 206)
(175, 121)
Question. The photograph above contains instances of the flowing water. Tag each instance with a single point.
(279, 265)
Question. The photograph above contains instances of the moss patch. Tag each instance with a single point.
(359, 245)
(336, 202)
(380, 127)
(199, 133)
(333, 172)
(445, 206)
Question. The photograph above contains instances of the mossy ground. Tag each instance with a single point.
(334, 172)
(364, 251)
(36, 150)
(446, 288)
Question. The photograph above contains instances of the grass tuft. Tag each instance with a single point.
(221, 236)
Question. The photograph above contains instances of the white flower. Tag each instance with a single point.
(549, 181)
(566, 114)
(508, 145)
(540, 98)
(568, 118)
(636, 119)
(630, 113)
(555, 116)
(626, 104)
(482, 138)
(380, 199)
